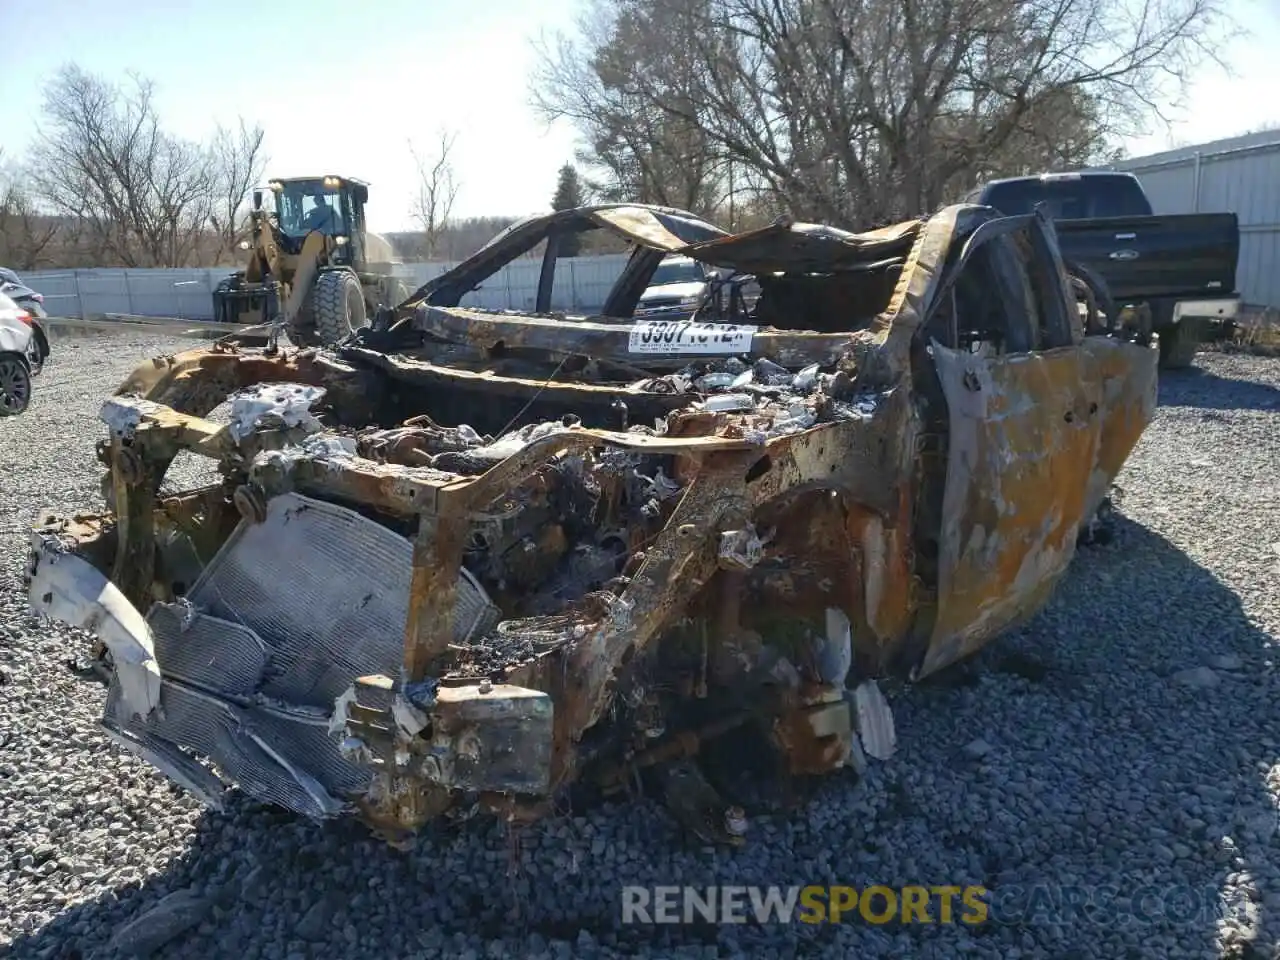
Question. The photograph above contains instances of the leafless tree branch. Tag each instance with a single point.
(861, 111)
(25, 235)
(437, 189)
(238, 165)
(135, 195)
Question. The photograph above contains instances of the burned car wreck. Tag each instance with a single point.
(477, 556)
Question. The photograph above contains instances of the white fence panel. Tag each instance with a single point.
(581, 285)
(186, 294)
(61, 293)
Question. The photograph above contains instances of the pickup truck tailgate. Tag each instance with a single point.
(1190, 254)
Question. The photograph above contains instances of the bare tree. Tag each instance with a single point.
(143, 197)
(238, 161)
(437, 189)
(637, 149)
(25, 234)
(136, 195)
(870, 110)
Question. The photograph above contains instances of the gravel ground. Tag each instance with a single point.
(1125, 743)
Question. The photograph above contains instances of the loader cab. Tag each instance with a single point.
(332, 205)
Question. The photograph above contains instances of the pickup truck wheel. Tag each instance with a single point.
(339, 306)
(15, 385)
(1178, 343)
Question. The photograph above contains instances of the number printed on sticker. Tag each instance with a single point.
(690, 336)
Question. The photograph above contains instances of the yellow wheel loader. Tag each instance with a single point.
(312, 265)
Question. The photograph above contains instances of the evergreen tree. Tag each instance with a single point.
(567, 196)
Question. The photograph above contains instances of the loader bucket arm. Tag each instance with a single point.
(265, 253)
(313, 248)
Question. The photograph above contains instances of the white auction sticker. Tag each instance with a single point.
(690, 336)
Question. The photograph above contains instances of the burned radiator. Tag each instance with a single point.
(285, 617)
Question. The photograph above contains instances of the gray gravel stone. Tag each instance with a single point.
(314, 924)
(1110, 777)
(977, 749)
(1202, 678)
(174, 915)
(1226, 661)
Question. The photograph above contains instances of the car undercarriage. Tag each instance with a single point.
(481, 557)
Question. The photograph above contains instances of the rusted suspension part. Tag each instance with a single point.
(129, 466)
(136, 473)
(678, 746)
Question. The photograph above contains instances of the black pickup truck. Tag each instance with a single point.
(1183, 267)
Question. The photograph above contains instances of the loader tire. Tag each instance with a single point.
(338, 301)
(1178, 345)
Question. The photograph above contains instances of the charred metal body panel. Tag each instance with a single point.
(479, 555)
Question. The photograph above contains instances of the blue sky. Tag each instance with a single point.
(341, 86)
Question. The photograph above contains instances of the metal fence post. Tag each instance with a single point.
(1195, 208)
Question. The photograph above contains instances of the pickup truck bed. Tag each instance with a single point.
(1157, 257)
(1182, 266)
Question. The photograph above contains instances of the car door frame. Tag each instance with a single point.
(1024, 433)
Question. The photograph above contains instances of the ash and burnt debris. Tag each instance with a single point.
(569, 534)
(563, 541)
(763, 398)
(772, 400)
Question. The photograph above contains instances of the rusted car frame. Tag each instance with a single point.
(480, 556)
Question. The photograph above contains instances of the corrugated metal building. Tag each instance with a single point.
(1240, 175)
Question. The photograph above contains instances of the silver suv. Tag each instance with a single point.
(16, 337)
(675, 289)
